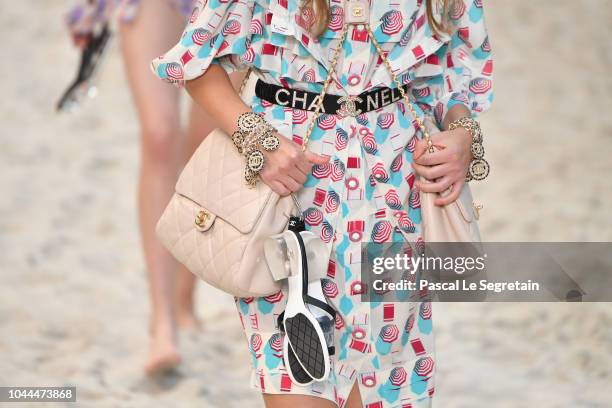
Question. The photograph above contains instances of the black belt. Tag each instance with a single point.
(334, 104)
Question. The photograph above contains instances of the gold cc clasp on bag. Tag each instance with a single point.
(201, 218)
(356, 12)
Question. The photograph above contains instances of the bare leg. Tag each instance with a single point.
(200, 125)
(154, 30)
(304, 401)
(293, 401)
(354, 398)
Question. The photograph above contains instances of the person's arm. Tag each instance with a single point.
(216, 94)
(465, 90)
(286, 169)
(445, 168)
(201, 60)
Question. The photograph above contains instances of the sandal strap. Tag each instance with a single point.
(321, 305)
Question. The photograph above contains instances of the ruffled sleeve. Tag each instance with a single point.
(466, 61)
(218, 32)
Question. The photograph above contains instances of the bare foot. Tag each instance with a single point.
(163, 353)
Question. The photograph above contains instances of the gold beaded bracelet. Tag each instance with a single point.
(254, 132)
(479, 168)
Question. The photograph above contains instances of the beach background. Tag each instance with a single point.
(73, 298)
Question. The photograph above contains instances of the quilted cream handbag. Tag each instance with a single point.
(216, 225)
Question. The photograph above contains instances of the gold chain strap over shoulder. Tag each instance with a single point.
(321, 96)
(332, 70)
(419, 121)
(396, 81)
(328, 79)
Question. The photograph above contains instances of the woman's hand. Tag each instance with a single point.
(447, 166)
(286, 169)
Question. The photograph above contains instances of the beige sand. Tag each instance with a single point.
(73, 300)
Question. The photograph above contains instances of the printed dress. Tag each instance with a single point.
(366, 191)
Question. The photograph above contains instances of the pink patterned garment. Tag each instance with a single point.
(366, 192)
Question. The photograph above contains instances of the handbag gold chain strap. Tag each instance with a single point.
(418, 120)
(328, 79)
(396, 81)
(321, 96)
(332, 70)
(319, 104)
(430, 146)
